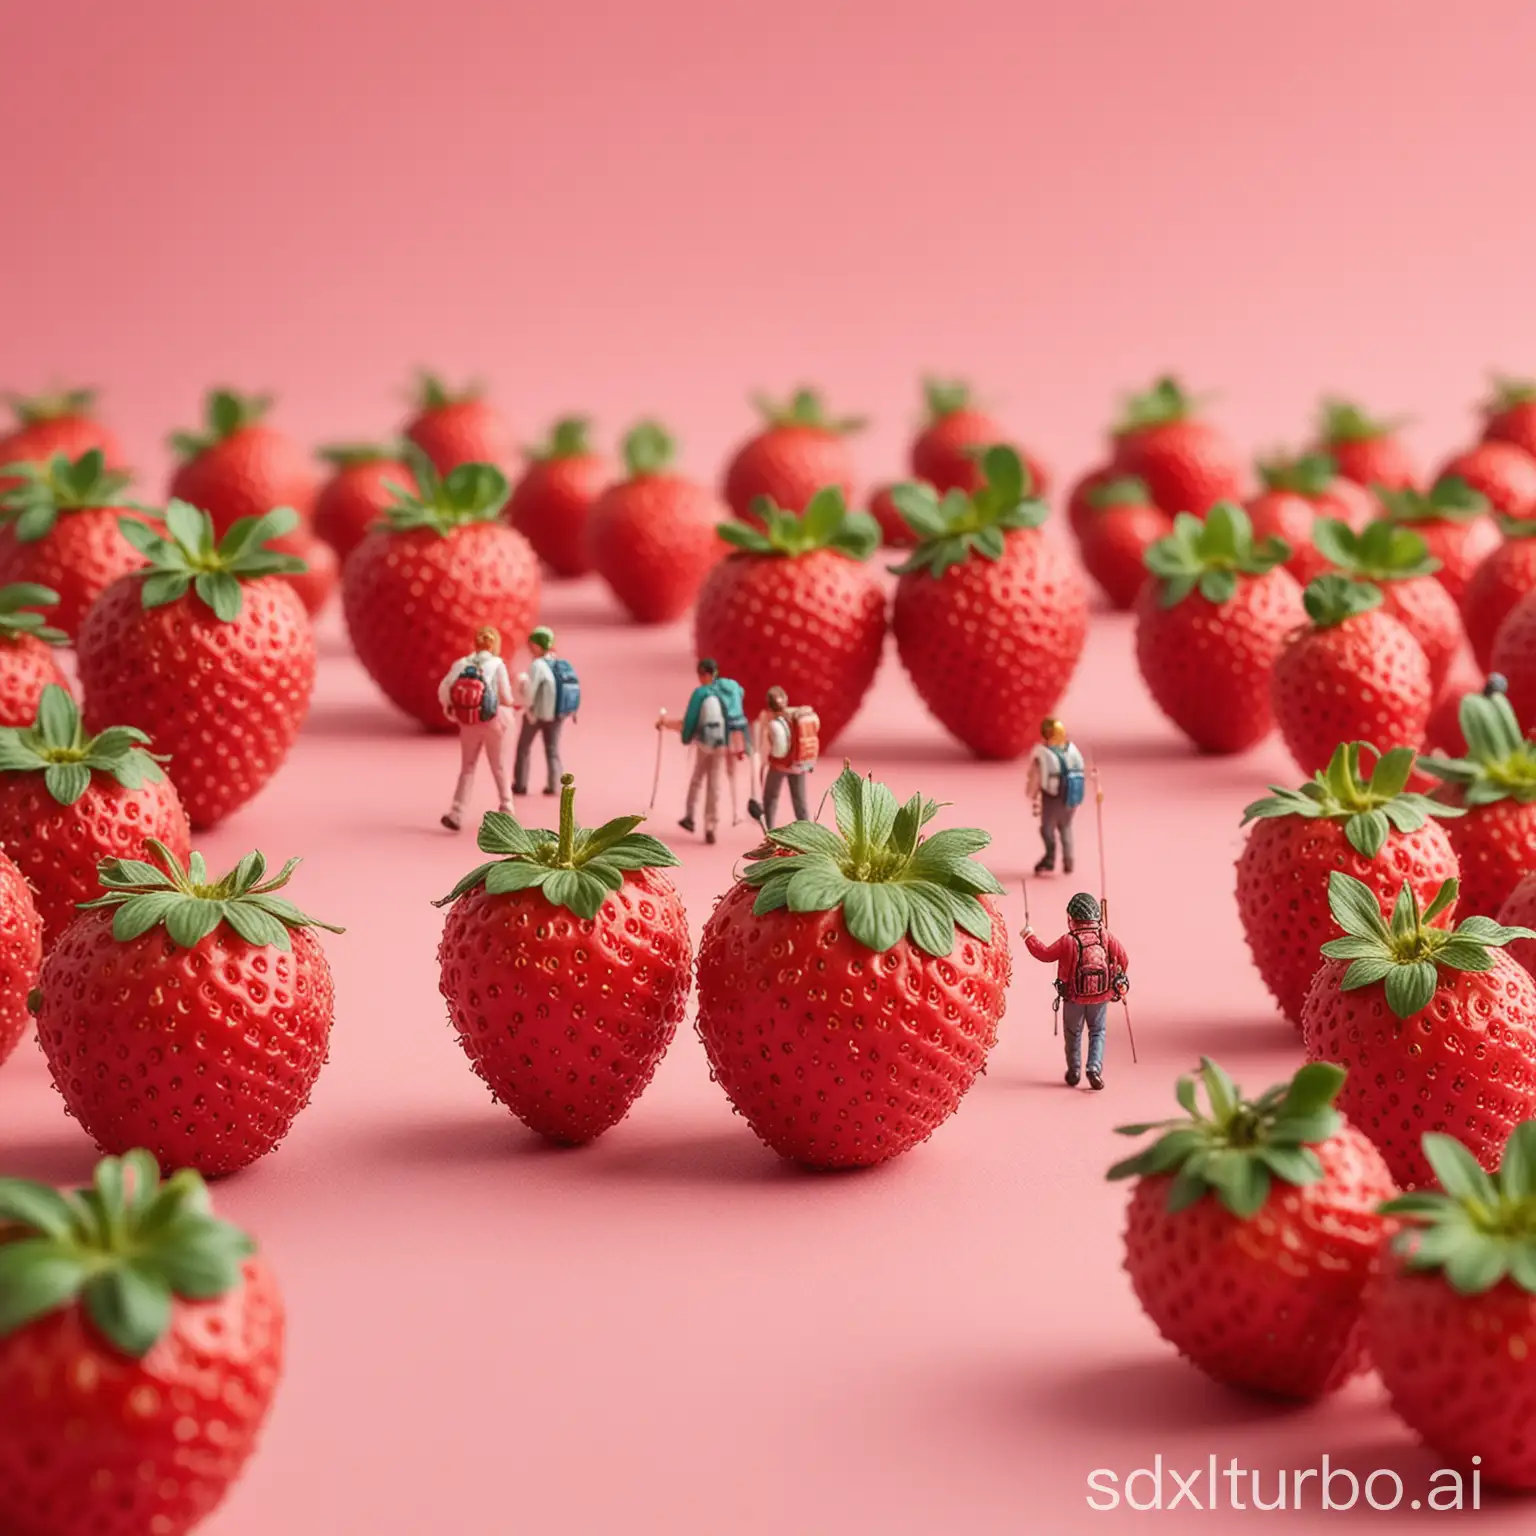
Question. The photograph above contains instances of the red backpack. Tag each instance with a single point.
(804, 737)
(1091, 978)
(466, 698)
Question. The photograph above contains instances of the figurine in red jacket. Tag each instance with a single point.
(1091, 968)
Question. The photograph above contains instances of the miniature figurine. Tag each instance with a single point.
(472, 695)
(788, 744)
(1057, 780)
(1091, 966)
(551, 696)
(712, 721)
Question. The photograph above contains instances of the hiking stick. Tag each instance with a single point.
(656, 780)
(1098, 807)
(1056, 1006)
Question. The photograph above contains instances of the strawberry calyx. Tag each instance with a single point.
(19, 603)
(470, 493)
(31, 410)
(191, 906)
(1237, 1150)
(1500, 763)
(1123, 491)
(573, 867)
(123, 1250)
(1330, 599)
(649, 449)
(1211, 555)
(1509, 394)
(353, 455)
(568, 439)
(225, 413)
(1371, 808)
(888, 881)
(826, 523)
(1307, 474)
(33, 505)
(1407, 953)
(806, 408)
(1166, 402)
(1342, 421)
(952, 530)
(1382, 551)
(432, 394)
(1449, 500)
(945, 397)
(56, 746)
(1517, 527)
(1478, 1228)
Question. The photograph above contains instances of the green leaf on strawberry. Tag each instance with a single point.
(1507, 393)
(1345, 422)
(1125, 491)
(1382, 551)
(649, 449)
(952, 530)
(806, 408)
(351, 455)
(569, 438)
(826, 523)
(1330, 599)
(56, 746)
(1478, 1228)
(574, 868)
(944, 397)
(19, 603)
(32, 506)
(1309, 474)
(1166, 402)
(30, 410)
(1211, 555)
(1235, 1152)
(470, 493)
(432, 394)
(1449, 500)
(226, 413)
(1500, 763)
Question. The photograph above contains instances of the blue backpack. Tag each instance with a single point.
(567, 687)
(733, 702)
(1073, 780)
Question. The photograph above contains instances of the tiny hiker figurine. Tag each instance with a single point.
(1091, 968)
(715, 726)
(473, 695)
(551, 696)
(1057, 781)
(788, 744)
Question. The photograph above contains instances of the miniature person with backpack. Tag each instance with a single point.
(710, 725)
(1091, 965)
(788, 743)
(474, 694)
(551, 696)
(1057, 783)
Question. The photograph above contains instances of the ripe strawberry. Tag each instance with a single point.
(1366, 450)
(1296, 493)
(1453, 521)
(21, 953)
(566, 964)
(1514, 656)
(1210, 625)
(990, 614)
(1510, 414)
(1080, 507)
(552, 503)
(442, 565)
(208, 651)
(187, 1015)
(1353, 674)
(895, 531)
(1186, 463)
(1505, 576)
(948, 452)
(354, 499)
(27, 643)
(1251, 1231)
(321, 572)
(799, 452)
(1114, 541)
(61, 531)
(1370, 828)
(454, 427)
(1435, 1027)
(1442, 733)
(1519, 911)
(1451, 1319)
(139, 1354)
(652, 536)
(68, 801)
(48, 425)
(840, 1010)
(1503, 473)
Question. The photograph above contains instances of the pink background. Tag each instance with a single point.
(653, 210)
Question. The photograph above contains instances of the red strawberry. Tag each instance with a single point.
(48, 425)
(1453, 521)
(1442, 733)
(841, 1010)
(321, 571)
(1296, 493)
(1353, 674)
(990, 614)
(139, 1354)
(1366, 450)
(566, 965)
(27, 664)
(1186, 463)
(552, 503)
(1371, 829)
(1210, 625)
(1435, 1026)
(442, 566)
(1510, 414)
(21, 952)
(454, 427)
(895, 531)
(1251, 1232)
(1505, 576)
(61, 532)
(1519, 911)
(1503, 473)
(207, 650)
(1080, 507)
(652, 536)
(1514, 656)
(948, 452)
(799, 451)
(1114, 542)
(187, 1015)
(354, 499)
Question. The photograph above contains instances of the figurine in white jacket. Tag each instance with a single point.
(476, 694)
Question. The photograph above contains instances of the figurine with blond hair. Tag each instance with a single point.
(476, 694)
(1057, 781)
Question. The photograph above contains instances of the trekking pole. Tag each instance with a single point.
(1098, 807)
(656, 780)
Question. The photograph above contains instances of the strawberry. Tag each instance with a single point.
(948, 452)
(1453, 521)
(1503, 473)
(1186, 463)
(566, 965)
(321, 571)
(21, 953)
(1514, 656)
(454, 427)
(895, 531)
(187, 1015)
(1504, 576)
(1123, 525)
(1251, 1231)
(61, 532)
(1510, 414)
(48, 425)
(1451, 1319)
(1495, 841)
(1519, 911)
(1370, 828)
(840, 1009)
(441, 566)
(1354, 673)
(796, 608)
(1296, 493)
(799, 451)
(208, 651)
(1397, 560)
(27, 643)
(1210, 625)
(990, 614)
(354, 499)
(652, 536)
(68, 801)
(1435, 1026)
(1366, 450)
(1080, 507)
(552, 502)
(1442, 733)
(140, 1351)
